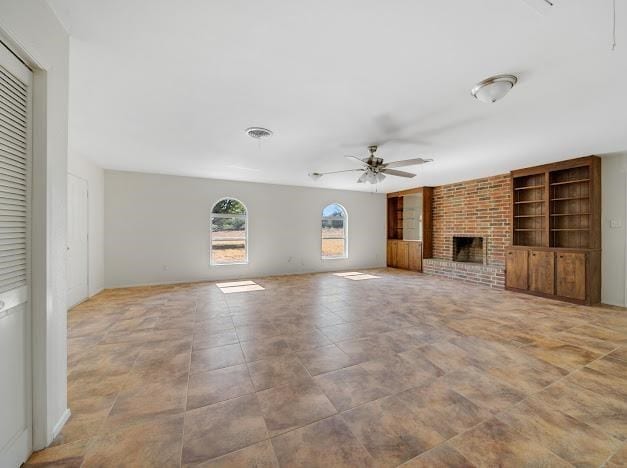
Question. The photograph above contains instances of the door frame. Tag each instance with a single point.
(87, 296)
(43, 430)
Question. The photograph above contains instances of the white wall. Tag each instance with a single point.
(32, 30)
(156, 229)
(94, 175)
(614, 177)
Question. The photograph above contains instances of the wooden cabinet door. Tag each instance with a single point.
(516, 269)
(415, 256)
(391, 253)
(402, 255)
(542, 271)
(571, 275)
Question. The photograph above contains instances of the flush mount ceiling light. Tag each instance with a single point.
(494, 88)
(259, 133)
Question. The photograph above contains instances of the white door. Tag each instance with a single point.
(77, 240)
(15, 321)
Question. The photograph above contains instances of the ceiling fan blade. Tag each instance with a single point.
(407, 162)
(317, 175)
(362, 161)
(394, 172)
(345, 170)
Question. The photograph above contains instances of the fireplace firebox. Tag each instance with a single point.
(469, 249)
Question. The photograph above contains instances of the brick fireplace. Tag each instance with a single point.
(471, 229)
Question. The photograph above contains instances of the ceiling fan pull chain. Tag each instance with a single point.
(613, 25)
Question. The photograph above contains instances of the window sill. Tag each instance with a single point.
(334, 258)
(228, 264)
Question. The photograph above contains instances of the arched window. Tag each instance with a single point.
(333, 233)
(228, 232)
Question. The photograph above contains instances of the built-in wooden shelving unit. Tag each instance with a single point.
(409, 228)
(556, 230)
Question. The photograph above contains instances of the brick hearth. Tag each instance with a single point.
(489, 275)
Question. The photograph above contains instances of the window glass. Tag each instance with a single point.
(333, 232)
(229, 236)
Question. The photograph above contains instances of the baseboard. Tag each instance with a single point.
(97, 292)
(609, 303)
(86, 299)
(60, 423)
(239, 277)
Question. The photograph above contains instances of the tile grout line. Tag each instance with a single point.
(189, 374)
(250, 377)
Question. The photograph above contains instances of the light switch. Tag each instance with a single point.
(616, 223)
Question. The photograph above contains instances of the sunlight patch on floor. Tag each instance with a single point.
(355, 275)
(234, 283)
(239, 286)
(361, 277)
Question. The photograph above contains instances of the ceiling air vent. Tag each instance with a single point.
(258, 132)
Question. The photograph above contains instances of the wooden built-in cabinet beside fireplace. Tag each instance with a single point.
(409, 228)
(556, 231)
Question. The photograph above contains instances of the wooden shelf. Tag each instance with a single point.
(569, 198)
(528, 230)
(529, 216)
(531, 187)
(570, 229)
(569, 182)
(528, 201)
(571, 214)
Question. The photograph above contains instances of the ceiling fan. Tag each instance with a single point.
(374, 169)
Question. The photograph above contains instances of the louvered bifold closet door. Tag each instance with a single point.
(15, 313)
(14, 181)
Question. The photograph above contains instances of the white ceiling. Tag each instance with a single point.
(169, 86)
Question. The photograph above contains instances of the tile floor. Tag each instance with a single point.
(316, 370)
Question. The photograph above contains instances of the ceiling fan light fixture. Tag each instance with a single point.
(259, 133)
(374, 170)
(493, 88)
